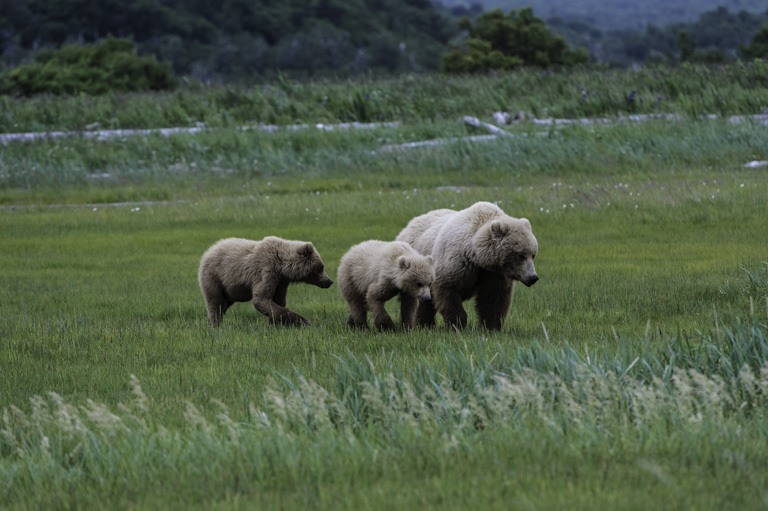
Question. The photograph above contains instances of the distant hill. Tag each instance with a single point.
(618, 14)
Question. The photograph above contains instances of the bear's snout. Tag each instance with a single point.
(531, 280)
(325, 282)
(425, 298)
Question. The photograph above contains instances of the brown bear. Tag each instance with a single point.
(240, 270)
(478, 251)
(373, 272)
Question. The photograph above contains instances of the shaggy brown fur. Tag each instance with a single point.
(374, 272)
(240, 270)
(479, 251)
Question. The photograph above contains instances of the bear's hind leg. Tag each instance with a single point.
(217, 305)
(494, 296)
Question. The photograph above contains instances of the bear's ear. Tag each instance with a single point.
(499, 229)
(526, 223)
(429, 258)
(403, 263)
(307, 249)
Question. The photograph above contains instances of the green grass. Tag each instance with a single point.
(633, 374)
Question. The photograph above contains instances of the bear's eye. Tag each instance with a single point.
(419, 284)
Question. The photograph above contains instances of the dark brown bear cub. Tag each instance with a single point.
(240, 270)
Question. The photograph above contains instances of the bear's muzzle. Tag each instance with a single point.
(325, 282)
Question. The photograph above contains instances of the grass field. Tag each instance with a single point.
(632, 375)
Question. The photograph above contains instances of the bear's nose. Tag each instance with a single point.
(531, 280)
(425, 298)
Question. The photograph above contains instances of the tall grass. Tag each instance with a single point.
(381, 426)
(691, 89)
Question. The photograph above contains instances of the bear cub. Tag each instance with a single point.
(373, 272)
(240, 270)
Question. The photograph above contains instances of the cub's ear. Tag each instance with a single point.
(499, 229)
(429, 258)
(403, 263)
(307, 249)
(526, 223)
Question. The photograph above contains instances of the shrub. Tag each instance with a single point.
(504, 42)
(110, 65)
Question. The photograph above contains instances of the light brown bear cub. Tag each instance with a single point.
(479, 251)
(373, 272)
(240, 270)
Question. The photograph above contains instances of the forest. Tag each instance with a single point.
(243, 39)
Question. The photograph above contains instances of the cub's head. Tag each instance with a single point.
(507, 246)
(307, 266)
(415, 275)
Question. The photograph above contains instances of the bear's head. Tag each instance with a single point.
(307, 266)
(415, 275)
(507, 246)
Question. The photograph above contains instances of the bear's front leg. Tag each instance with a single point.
(357, 312)
(449, 304)
(281, 293)
(375, 298)
(408, 305)
(277, 314)
(425, 314)
(494, 296)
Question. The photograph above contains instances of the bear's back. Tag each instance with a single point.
(422, 231)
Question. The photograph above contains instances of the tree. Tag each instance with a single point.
(504, 42)
(686, 45)
(758, 48)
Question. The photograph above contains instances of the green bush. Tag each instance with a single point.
(110, 65)
(504, 42)
(758, 48)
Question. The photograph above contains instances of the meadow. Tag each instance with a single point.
(633, 374)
